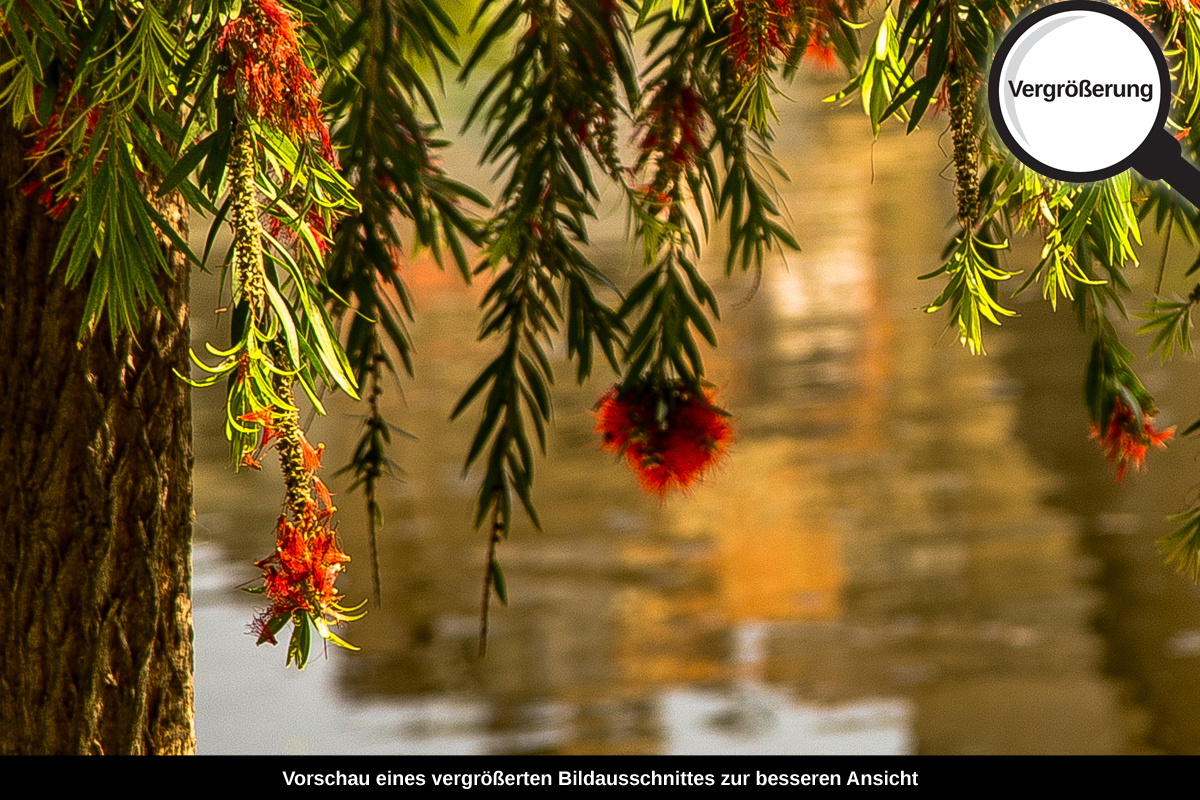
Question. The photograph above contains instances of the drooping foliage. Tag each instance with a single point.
(309, 130)
(930, 55)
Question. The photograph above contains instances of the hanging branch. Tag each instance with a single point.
(546, 116)
(389, 124)
(931, 50)
(709, 104)
(370, 464)
(281, 164)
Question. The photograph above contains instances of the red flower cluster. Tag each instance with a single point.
(821, 51)
(54, 206)
(268, 72)
(310, 456)
(300, 574)
(1177, 5)
(669, 435)
(1124, 442)
(820, 44)
(314, 222)
(47, 136)
(825, 16)
(755, 28)
(761, 29)
(298, 578)
(263, 418)
(670, 128)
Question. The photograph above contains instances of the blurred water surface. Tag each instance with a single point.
(907, 550)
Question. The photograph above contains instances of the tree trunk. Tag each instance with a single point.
(95, 504)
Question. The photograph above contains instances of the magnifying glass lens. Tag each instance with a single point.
(1080, 92)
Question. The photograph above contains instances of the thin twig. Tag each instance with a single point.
(497, 528)
(1162, 267)
(375, 420)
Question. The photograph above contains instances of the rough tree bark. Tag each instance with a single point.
(95, 505)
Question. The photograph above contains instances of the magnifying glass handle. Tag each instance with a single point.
(1161, 158)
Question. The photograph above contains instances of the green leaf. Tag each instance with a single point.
(328, 635)
(167, 230)
(49, 20)
(187, 164)
(273, 626)
(17, 31)
(284, 315)
(1181, 548)
(498, 582)
(301, 641)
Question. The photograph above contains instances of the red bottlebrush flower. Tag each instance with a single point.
(269, 434)
(55, 211)
(313, 222)
(1124, 442)
(669, 435)
(324, 496)
(311, 455)
(1177, 5)
(821, 52)
(668, 131)
(264, 416)
(48, 133)
(300, 574)
(820, 44)
(755, 28)
(619, 418)
(48, 148)
(268, 73)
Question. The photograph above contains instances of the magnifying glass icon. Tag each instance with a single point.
(1079, 91)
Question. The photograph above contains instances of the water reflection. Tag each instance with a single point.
(908, 550)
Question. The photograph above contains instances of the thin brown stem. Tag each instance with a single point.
(376, 420)
(489, 577)
(1162, 265)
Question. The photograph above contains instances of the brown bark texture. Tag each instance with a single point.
(95, 504)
